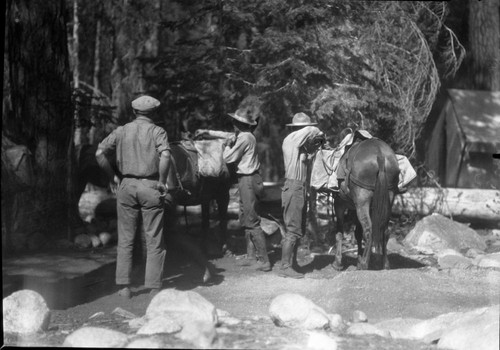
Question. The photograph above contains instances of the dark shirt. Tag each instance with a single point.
(137, 146)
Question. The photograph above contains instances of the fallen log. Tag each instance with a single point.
(468, 204)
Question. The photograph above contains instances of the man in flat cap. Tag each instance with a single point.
(142, 155)
(243, 153)
(297, 147)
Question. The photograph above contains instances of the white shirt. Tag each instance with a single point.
(244, 153)
(294, 156)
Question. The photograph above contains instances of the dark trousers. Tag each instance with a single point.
(134, 197)
(293, 200)
(251, 189)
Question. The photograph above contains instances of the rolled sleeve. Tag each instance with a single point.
(161, 140)
(234, 154)
(109, 143)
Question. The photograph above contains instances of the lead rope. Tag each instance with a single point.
(182, 189)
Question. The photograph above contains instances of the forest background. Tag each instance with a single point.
(72, 67)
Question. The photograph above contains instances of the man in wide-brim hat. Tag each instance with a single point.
(243, 153)
(296, 155)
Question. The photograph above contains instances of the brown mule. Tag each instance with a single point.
(368, 176)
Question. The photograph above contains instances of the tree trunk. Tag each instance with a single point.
(468, 204)
(41, 115)
(484, 39)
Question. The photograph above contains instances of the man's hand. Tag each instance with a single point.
(162, 188)
(200, 133)
(230, 141)
(113, 185)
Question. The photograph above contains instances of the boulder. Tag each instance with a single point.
(430, 330)
(488, 260)
(321, 341)
(454, 262)
(359, 316)
(295, 311)
(477, 332)
(367, 329)
(146, 343)
(182, 306)
(399, 328)
(436, 232)
(83, 241)
(199, 333)
(94, 337)
(25, 312)
(160, 324)
(336, 322)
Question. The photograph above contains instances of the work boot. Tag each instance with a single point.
(286, 269)
(259, 239)
(250, 259)
(125, 293)
(262, 266)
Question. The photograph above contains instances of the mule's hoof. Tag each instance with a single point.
(207, 276)
(337, 266)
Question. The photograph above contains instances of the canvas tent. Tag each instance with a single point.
(466, 135)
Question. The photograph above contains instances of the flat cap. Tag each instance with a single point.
(145, 103)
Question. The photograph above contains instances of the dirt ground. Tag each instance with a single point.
(413, 288)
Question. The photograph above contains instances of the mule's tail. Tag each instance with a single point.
(380, 208)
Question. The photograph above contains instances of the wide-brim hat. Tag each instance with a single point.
(242, 116)
(145, 104)
(301, 119)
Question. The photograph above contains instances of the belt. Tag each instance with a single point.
(152, 177)
(255, 172)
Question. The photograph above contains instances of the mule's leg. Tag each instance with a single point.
(362, 201)
(222, 199)
(339, 235)
(205, 223)
(386, 236)
(358, 233)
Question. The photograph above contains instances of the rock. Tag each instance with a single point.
(336, 322)
(269, 226)
(321, 341)
(367, 329)
(399, 328)
(160, 324)
(230, 321)
(295, 311)
(136, 323)
(89, 201)
(445, 252)
(123, 313)
(182, 306)
(146, 343)
(359, 316)
(393, 245)
(495, 233)
(436, 232)
(454, 262)
(97, 314)
(199, 333)
(96, 242)
(105, 238)
(488, 260)
(94, 337)
(478, 332)
(222, 313)
(83, 241)
(25, 312)
(473, 253)
(431, 330)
